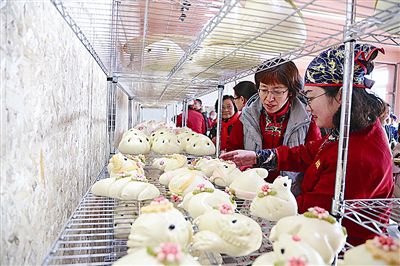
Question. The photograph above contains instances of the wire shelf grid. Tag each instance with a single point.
(381, 216)
(97, 232)
(181, 44)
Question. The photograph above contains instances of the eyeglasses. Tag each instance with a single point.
(310, 99)
(276, 94)
(235, 98)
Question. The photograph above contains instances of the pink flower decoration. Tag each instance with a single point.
(159, 200)
(176, 198)
(170, 252)
(386, 243)
(201, 186)
(225, 208)
(161, 162)
(139, 176)
(321, 213)
(296, 238)
(266, 189)
(297, 261)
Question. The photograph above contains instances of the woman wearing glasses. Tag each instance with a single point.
(277, 117)
(369, 167)
(230, 116)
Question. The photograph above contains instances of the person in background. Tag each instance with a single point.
(392, 125)
(369, 164)
(195, 120)
(198, 106)
(275, 116)
(212, 119)
(243, 91)
(230, 115)
(386, 123)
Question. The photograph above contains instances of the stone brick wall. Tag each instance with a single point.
(53, 127)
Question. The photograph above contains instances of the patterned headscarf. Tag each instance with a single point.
(327, 68)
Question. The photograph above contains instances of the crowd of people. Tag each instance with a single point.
(276, 123)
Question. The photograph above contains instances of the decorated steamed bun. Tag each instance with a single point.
(126, 182)
(120, 165)
(381, 250)
(170, 162)
(207, 165)
(203, 199)
(134, 142)
(157, 223)
(224, 173)
(226, 232)
(247, 184)
(162, 254)
(275, 201)
(186, 182)
(315, 227)
(166, 177)
(166, 144)
(200, 146)
(290, 250)
(160, 133)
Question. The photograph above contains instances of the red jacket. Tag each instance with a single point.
(235, 141)
(368, 175)
(226, 131)
(195, 121)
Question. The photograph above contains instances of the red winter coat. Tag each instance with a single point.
(195, 121)
(235, 141)
(368, 175)
(226, 131)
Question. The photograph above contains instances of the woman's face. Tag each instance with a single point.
(228, 109)
(321, 106)
(273, 97)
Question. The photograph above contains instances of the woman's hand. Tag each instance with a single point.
(240, 157)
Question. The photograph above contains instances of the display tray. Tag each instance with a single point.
(91, 236)
(97, 232)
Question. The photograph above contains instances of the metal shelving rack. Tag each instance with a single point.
(121, 34)
(91, 237)
(372, 215)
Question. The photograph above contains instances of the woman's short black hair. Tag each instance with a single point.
(227, 97)
(246, 89)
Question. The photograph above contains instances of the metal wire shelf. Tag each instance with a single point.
(150, 46)
(94, 236)
(381, 216)
(97, 232)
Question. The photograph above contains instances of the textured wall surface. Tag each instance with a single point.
(53, 127)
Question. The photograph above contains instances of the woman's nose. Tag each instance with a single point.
(269, 97)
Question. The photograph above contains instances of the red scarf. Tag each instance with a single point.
(224, 129)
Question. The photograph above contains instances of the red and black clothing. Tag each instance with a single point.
(368, 172)
(226, 131)
(273, 127)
